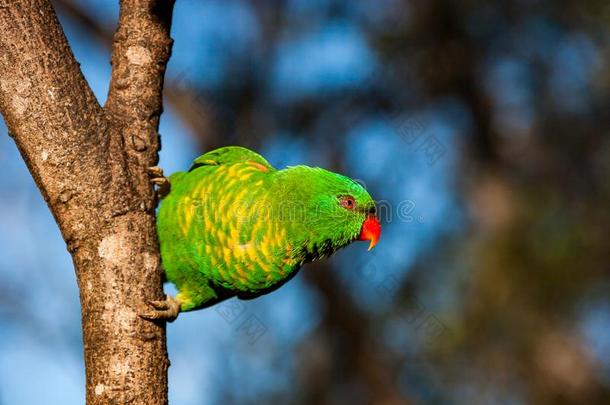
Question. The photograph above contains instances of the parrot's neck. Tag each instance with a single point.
(298, 215)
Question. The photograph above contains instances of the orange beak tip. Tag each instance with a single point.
(373, 243)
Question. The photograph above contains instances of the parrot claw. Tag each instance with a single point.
(166, 310)
(157, 178)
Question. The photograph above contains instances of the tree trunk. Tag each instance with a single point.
(89, 163)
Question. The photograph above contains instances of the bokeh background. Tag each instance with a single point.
(481, 127)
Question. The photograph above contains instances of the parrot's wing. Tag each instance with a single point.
(231, 155)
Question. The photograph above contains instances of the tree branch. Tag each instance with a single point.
(141, 49)
(189, 105)
(89, 164)
(49, 109)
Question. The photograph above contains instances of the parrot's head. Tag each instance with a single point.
(337, 209)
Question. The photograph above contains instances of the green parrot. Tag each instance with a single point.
(235, 226)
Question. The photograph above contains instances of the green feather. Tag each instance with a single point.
(235, 226)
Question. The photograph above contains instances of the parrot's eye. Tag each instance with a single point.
(348, 202)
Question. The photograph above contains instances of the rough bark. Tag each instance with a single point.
(89, 164)
(189, 105)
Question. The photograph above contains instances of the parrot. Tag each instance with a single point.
(234, 226)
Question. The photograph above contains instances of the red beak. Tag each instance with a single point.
(371, 230)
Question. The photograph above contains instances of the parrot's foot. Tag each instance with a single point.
(165, 310)
(157, 178)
